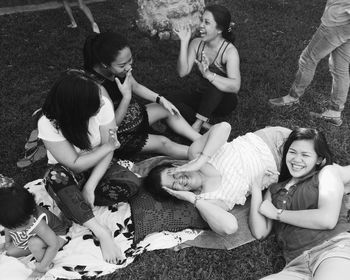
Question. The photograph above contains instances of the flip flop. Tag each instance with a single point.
(32, 155)
(32, 140)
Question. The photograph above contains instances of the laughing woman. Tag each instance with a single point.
(218, 62)
(108, 57)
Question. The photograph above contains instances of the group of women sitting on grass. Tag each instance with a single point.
(90, 117)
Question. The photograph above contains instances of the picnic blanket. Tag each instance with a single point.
(81, 257)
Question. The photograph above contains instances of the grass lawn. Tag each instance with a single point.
(36, 47)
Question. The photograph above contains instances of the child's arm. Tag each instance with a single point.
(8, 239)
(46, 234)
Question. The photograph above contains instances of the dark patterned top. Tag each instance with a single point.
(134, 128)
(304, 195)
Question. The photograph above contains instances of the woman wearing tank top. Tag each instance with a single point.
(218, 62)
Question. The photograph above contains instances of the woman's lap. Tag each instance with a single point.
(64, 186)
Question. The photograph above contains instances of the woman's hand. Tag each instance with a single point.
(125, 87)
(182, 195)
(268, 210)
(113, 141)
(183, 32)
(203, 66)
(193, 165)
(169, 106)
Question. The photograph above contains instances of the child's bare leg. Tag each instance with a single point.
(70, 14)
(110, 250)
(89, 15)
(16, 252)
(38, 247)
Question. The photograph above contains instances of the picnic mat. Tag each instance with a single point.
(81, 257)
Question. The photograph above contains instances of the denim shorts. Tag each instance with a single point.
(305, 266)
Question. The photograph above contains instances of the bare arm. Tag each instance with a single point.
(187, 52)
(51, 240)
(232, 82)
(213, 212)
(101, 167)
(331, 190)
(204, 147)
(260, 226)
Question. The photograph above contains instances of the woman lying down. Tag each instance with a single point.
(221, 174)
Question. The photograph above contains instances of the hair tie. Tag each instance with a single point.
(230, 27)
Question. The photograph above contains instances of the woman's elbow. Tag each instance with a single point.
(224, 128)
(329, 224)
(228, 228)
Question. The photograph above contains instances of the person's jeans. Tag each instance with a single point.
(64, 186)
(326, 40)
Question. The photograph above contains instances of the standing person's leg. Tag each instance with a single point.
(323, 42)
(89, 15)
(62, 186)
(339, 68)
(70, 14)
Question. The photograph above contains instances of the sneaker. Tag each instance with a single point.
(286, 100)
(95, 28)
(331, 116)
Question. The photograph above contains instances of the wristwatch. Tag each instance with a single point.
(279, 213)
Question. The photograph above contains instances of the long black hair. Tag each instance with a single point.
(102, 49)
(152, 183)
(222, 18)
(71, 102)
(17, 206)
(320, 144)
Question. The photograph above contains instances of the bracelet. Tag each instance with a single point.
(212, 80)
(195, 200)
(205, 155)
(158, 98)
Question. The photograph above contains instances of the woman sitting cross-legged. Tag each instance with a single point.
(306, 209)
(79, 132)
(108, 57)
(218, 62)
(220, 174)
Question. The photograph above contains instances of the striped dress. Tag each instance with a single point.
(242, 163)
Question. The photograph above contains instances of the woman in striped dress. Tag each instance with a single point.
(221, 174)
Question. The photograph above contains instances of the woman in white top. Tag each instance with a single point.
(221, 174)
(79, 132)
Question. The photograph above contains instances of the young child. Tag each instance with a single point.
(306, 210)
(30, 228)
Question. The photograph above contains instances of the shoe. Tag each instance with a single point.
(286, 100)
(95, 28)
(72, 25)
(326, 116)
(32, 155)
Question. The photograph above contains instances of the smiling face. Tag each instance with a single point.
(122, 63)
(184, 181)
(208, 27)
(301, 158)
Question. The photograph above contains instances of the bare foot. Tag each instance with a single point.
(111, 252)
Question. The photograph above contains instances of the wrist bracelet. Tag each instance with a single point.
(158, 98)
(212, 80)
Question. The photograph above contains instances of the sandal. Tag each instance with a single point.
(32, 140)
(32, 155)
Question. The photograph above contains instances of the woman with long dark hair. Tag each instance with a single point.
(108, 57)
(79, 132)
